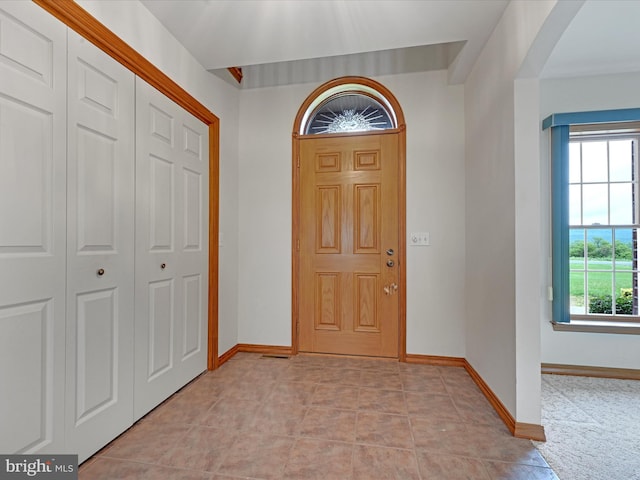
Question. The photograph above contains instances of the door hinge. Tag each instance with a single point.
(298, 245)
(298, 162)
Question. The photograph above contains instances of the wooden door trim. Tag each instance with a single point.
(400, 130)
(82, 22)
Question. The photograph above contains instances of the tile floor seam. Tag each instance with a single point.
(415, 456)
(453, 401)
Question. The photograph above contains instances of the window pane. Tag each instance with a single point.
(595, 203)
(624, 248)
(599, 249)
(576, 248)
(594, 162)
(575, 217)
(623, 283)
(620, 160)
(621, 203)
(624, 293)
(351, 112)
(574, 162)
(577, 270)
(599, 285)
(576, 288)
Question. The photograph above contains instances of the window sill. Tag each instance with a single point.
(590, 326)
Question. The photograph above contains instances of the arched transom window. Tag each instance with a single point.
(348, 108)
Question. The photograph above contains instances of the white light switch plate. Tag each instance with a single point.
(419, 239)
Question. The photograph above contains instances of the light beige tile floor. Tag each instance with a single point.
(329, 418)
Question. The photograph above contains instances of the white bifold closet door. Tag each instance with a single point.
(33, 72)
(100, 247)
(103, 241)
(172, 191)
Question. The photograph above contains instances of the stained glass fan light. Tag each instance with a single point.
(349, 113)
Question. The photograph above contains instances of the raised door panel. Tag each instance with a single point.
(27, 341)
(328, 218)
(97, 353)
(367, 288)
(100, 248)
(328, 303)
(96, 201)
(161, 328)
(26, 178)
(193, 318)
(32, 235)
(161, 181)
(193, 221)
(171, 253)
(366, 217)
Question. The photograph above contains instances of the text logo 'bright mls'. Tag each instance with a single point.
(30, 468)
(60, 467)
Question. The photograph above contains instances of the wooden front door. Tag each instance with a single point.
(349, 242)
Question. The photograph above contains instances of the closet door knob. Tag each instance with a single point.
(100, 272)
(163, 266)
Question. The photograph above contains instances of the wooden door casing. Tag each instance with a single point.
(348, 301)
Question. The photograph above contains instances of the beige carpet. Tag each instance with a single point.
(592, 427)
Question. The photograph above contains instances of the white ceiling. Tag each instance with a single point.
(604, 37)
(280, 42)
(280, 33)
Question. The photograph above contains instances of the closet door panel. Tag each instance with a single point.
(161, 328)
(96, 378)
(192, 318)
(100, 248)
(161, 183)
(171, 258)
(32, 235)
(96, 215)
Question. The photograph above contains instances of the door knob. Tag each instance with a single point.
(390, 263)
(390, 252)
(100, 272)
(390, 289)
(163, 266)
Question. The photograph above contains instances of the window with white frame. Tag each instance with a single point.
(595, 217)
(603, 224)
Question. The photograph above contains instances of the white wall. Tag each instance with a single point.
(266, 123)
(132, 22)
(435, 203)
(602, 92)
(499, 341)
(529, 276)
(434, 113)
